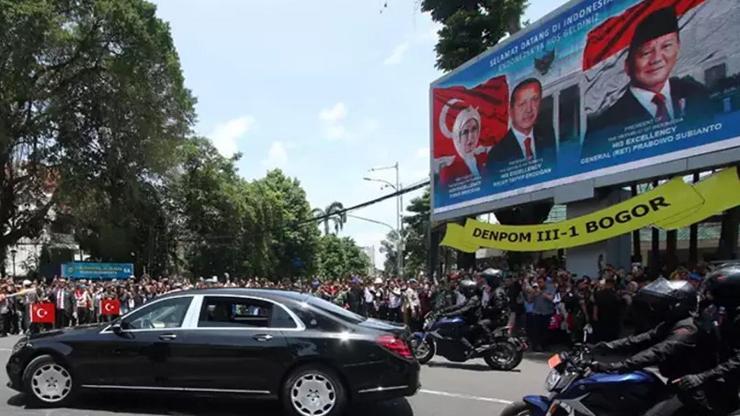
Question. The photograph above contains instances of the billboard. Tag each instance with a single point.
(596, 88)
(101, 271)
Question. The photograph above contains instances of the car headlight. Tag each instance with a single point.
(552, 380)
(20, 344)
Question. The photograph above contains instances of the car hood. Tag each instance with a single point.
(386, 326)
(69, 330)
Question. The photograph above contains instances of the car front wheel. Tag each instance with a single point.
(313, 391)
(48, 383)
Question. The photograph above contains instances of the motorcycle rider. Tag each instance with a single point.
(470, 311)
(494, 302)
(679, 345)
(723, 296)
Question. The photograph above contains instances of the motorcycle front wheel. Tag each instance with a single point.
(517, 409)
(424, 350)
(504, 356)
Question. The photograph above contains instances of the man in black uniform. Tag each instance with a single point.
(470, 311)
(678, 346)
(652, 95)
(723, 290)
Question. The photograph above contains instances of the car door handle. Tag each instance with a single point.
(167, 337)
(262, 337)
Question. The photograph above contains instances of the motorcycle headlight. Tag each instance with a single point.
(552, 380)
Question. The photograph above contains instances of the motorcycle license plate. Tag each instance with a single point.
(554, 361)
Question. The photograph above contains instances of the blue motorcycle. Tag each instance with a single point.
(442, 336)
(576, 390)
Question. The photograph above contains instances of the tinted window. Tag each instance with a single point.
(228, 312)
(168, 313)
(335, 310)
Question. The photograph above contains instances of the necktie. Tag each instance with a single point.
(528, 148)
(662, 114)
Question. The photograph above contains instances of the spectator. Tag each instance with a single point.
(607, 312)
(541, 294)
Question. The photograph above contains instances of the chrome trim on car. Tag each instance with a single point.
(180, 389)
(382, 389)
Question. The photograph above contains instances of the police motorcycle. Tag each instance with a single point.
(443, 335)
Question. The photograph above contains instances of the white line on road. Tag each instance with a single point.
(464, 396)
(5, 349)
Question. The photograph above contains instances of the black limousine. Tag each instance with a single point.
(310, 354)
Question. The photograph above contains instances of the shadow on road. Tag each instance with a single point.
(204, 406)
(463, 366)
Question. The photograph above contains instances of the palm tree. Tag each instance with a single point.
(333, 214)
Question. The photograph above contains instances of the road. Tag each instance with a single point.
(448, 389)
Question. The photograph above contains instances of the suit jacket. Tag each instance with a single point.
(690, 100)
(458, 169)
(508, 149)
(69, 300)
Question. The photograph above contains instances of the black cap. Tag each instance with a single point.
(656, 24)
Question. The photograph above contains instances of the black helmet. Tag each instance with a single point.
(668, 300)
(493, 277)
(468, 288)
(723, 285)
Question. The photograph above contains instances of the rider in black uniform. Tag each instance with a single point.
(678, 346)
(470, 311)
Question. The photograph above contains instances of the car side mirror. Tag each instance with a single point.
(116, 328)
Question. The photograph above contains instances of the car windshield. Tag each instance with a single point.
(335, 310)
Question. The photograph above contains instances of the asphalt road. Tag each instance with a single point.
(448, 389)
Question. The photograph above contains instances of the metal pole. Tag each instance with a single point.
(12, 253)
(399, 224)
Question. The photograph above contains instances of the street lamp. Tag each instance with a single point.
(399, 209)
(13, 252)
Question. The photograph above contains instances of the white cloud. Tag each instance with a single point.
(422, 152)
(277, 156)
(333, 119)
(225, 136)
(334, 114)
(396, 56)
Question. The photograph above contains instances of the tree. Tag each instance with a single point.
(471, 26)
(416, 230)
(389, 246)
(333, 214)
(92, 103)
(340, 257)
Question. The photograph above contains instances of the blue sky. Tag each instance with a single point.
(324, 90)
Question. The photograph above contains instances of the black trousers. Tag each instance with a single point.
(62, 318)
(540, 330)
(5, 323)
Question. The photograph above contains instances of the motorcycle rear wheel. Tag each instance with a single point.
(517, 409)
(424, 350)
(507, 359)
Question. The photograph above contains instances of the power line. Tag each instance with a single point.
(408, 189)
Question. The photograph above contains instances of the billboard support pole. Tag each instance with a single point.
(655, 249)
(636, 243)
(694, 236)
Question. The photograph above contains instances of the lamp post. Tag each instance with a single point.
(399, 209)
(13, 252)
(375, 222)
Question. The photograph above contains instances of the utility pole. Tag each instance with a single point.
(399, 211)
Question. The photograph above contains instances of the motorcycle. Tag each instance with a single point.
(442, 336)
(576, 390)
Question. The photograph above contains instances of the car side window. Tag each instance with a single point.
(234, 312)
(168, 313)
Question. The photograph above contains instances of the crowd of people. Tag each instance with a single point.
(548, 304)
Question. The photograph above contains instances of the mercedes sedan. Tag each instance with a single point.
(310, 354)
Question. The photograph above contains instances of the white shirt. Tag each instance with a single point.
(521, 137)
(645, 98)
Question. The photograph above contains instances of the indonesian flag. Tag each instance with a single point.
(42, 313)
(110, 307)
(707, 28)
(615, 33)
(490, 98)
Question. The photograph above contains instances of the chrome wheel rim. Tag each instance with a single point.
(421, 349)
(51, 383)
(313, 395)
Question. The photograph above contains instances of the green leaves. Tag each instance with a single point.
(341, 257)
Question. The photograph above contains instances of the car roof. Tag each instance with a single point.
(270, 294)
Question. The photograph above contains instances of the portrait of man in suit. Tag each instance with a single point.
(465, 136)
(527, 138)
(652, 93)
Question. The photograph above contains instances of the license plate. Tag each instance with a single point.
(554, 361)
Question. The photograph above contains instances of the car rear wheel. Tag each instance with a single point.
(314, 391)
(48, 383)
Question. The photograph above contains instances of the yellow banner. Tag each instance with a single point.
(668, 203)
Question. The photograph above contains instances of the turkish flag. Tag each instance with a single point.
(42, 313)
(615, 34)
(490, 98)
(110, 307)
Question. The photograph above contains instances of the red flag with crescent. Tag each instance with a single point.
(615, 33)
(110, 307)
(42, 313)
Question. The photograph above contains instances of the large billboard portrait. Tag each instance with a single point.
(599, 87)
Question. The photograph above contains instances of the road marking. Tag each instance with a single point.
(5, 349)
(465, 396)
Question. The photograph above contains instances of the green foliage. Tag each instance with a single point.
(416, 231)
(333, 214)
(471, 26)
(341, 257)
